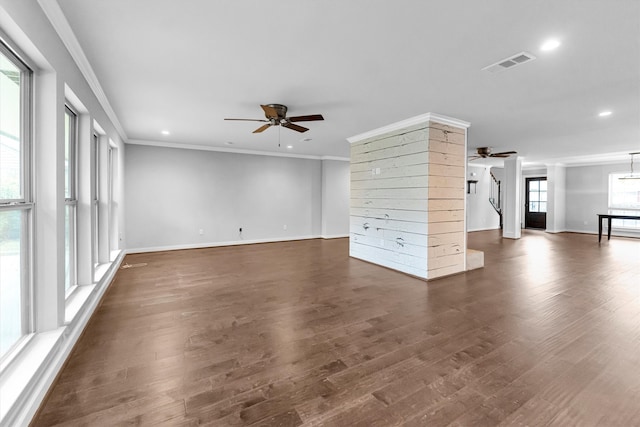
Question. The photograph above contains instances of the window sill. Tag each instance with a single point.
(19, 378)
(77, 299)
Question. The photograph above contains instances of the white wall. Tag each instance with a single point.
(557, 198)
(587, 195)
(335, 198)
(171, 194)
(480, 213)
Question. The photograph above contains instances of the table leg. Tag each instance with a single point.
(609, 229)
(599, 229)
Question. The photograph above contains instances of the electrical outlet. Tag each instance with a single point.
(284, 227)
(201, 232)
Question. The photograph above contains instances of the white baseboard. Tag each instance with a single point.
(228, 243)
(471, 230)
(614, 232)
(334, 236)
(555, 231)
(35, 369)
(583, 231)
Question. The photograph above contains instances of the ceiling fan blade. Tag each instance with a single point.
(294, 127)
(310, 118)
(503, 154)
(262, 128)
(249, 120)
(472, 158)
(270, 111)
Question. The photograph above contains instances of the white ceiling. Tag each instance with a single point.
(186, 65)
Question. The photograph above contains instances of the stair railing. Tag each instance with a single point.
(494, 196)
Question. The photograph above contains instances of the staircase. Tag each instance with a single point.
(494, 196)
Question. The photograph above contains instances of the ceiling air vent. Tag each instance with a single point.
(511, 62)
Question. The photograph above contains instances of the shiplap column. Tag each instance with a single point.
(408, 196)
(512, 200)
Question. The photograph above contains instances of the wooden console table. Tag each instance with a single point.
(609, 218)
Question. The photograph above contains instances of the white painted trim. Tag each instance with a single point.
(217, 244)
(553, 231)
(55, 15)
(483, 229)
(32, 373)
(412, 121)
(334, 236)
(230, 150)
(340, 159)
(510, 235)
(628, 234)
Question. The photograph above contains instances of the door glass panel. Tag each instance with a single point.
(533, 207)
(533, 186)
(543, 185)
(543, 196)
(533, 197)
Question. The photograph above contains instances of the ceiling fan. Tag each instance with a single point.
(484, 152)
(276, 115)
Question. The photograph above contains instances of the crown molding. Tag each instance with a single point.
(55, 15)
(412, 121)
(230, 150)
(340, 159)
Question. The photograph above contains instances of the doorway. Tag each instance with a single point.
(535, 215)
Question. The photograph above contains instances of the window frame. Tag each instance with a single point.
(95, 202)
(25, 203)
(71, 202)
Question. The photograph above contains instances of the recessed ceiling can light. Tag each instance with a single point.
(605, 113)
(550, 45)
(305, 140)
(165, 132)
(229, 142)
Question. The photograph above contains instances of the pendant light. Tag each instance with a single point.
(632, 175)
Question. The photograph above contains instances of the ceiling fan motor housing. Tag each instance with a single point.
(281, 111)
(484, 151)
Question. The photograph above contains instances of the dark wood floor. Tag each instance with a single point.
(288, 334)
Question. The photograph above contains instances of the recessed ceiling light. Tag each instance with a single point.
(605, 113)
(289, 146)
(165, 132)
(229, 143)
(550, 45)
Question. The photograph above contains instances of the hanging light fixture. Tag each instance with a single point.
(632, 175)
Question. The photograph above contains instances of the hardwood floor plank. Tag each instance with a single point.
(297, 333)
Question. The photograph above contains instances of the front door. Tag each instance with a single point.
(536, 204)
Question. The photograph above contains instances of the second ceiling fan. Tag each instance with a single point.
(276, 115)
(484, 152)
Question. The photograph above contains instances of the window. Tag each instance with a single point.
(624, 199)
(15, 199)
(70, 200)
(538, 195)
(96, 198)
